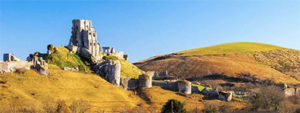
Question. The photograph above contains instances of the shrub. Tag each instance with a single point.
(50, 47)
(110, 58)
(31, 55)
(269, 97)
(36, 53)
(173, 106)
(297, 110)
(210, 107)
(62, 107)
(20, 70)
(286, 107)
(80, 106)
(49, 106)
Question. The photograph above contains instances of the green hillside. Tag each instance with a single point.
(63, 58)
(228, 48)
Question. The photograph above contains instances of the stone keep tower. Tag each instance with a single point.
(85, 38)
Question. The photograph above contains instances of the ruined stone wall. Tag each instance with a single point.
(225, 95)
(145, 80)
(8, 57)
(166, 85)
(13, 66)
(128, 83)
(184, 87)
(110, 70)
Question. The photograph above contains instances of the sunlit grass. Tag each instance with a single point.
(65, 85)
(63, 58)
(238, 47)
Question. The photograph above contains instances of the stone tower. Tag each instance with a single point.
(85, 38)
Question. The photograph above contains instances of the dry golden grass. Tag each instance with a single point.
(229, 48)
(129, 70)
(231, 65)
(158, 97)
(33, 88)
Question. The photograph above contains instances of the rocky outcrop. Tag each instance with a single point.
(110, 70)
(184, 87)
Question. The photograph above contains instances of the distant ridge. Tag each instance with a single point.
(235, 47)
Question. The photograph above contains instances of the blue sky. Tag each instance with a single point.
(144, 29)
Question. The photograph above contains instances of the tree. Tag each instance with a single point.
(50, 47)
(211, 107)
(173, 106)
(269, 97)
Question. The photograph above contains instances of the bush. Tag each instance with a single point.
(62, 107)
(297, 110)
(36, 53)
(269, 97)
(31, 55)
(49, 106)
(210, 107)
(20, 70)
(80, 106)
(110, 58)
(173, 106)
(50, 47)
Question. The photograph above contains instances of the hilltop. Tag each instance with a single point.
(230, 48)
(63, 58)
(261, 61)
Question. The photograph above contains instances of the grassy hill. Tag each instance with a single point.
(29, 89)
(63, 58)
(32, 92)
(231, 60)
(229, 48)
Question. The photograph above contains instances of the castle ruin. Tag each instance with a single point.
(85, 38)
(84, 41)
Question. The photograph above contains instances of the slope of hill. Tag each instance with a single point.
(229, 48)
(157, 97)
(29, 89)
(63, 58)
(232, 60)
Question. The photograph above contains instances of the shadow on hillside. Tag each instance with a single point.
(242, 77)
(143, 95)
